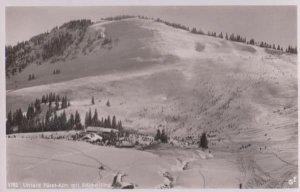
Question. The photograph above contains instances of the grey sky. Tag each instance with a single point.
(273, 24)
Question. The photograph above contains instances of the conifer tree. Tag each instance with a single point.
(56, 105)
(86, 119)
(71, 122)
(158, 135)
(203, 141)
(9, 123)
(108, 122)
(114, 123)
(164, 137)
(95, 118)
(90, 120)
(78, 125)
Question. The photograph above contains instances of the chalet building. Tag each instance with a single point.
(100, 130)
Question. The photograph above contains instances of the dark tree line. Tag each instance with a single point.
(175, 25)
(77, 24)
(213, 34)
(31, 77)
(119, 17)
(93, 120)
(39, 39)
(236, 38)
(161, 136)
(56, 71)
(43, 46)
(61, 123)
(107, 40)
(56, 45)
(291, 49)
(32, 121)
(197, 31)
(17, 57)
(56, 99)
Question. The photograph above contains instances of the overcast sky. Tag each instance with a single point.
(273, 24)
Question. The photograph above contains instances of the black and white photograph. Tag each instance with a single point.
(151, 97)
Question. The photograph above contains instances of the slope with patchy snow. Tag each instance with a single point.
(160, 77)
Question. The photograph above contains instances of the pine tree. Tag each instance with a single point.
(203, 141)
(47, 98)
(47, 118)
(86, 119)
(63, 121)
(194, 30)
(50, 104)
(9, 123)
(221, 35)
(108, 122)
(93, 102)
(95, 118)
(90, 120)
(56, 105)
(71, 122)
(30, 112)
(102, 122)
(43, 99)
(37, 106)
(55, 122)
(119, 126)
(164, 137)
(114, 123)
(158, 135)
(63, 103)
(78, 125)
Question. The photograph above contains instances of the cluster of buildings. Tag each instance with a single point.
(109, 136)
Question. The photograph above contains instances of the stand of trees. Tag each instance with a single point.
(175, 25)
(93, 120)
(56, 99)
(106, 41)
(31, 121)
(56, 45)
(77, 24)
(17, 57)
(31, 77)
(236, 38)
(44, 46)
(291, 49)
(195, 31)
(119, 17)
(56, 71)
(161, 136)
